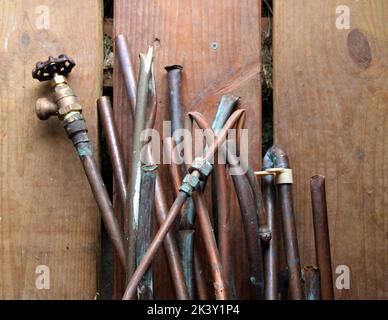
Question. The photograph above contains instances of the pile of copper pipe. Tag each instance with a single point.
(260, 214)
(173, 213)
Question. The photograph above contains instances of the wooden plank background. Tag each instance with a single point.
(47, 213)
(182, 32)
(330, 95)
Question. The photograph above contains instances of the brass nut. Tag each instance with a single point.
(58, 79)
(190, 183)
(75, 107)
(203, 166)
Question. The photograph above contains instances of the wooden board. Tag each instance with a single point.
(47, 212)
(183, 32)
(331, 94)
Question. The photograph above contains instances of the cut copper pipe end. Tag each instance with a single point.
(321, 235)
(312, 283)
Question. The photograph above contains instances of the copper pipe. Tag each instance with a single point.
(174, 74)
(174, 210)
(200, 280)
(321, 235)
(114, 148)
(223, 223)
(271, 254)
(170, 245)
(186, 250)
(278, 158)
(252, 236)
(131, 207)
(127, 70)
(146, 208)
(104, 204)
(312, 283)
(150, 124)
(220, 287)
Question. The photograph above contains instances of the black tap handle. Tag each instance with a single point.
(45, 70)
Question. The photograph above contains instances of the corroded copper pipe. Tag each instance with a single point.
(131, 208)
(312, 283)
(321, 235)
(154, 246)
(127, 70)
(105, 206)
(174, 210)
(278, 158)
(114, 148)
(146, 208)
(271, 254)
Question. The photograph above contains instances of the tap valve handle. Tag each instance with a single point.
(46, 70)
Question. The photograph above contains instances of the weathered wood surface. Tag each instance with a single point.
(183, 32)
(331, 95)
(47, 213)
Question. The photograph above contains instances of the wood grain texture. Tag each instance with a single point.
(182, 32)
(47, 212)
(331, 94)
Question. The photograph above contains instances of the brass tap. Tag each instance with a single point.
(64, 101)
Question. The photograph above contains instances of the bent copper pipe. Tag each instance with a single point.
(271, 254)
(312, 283)
(248, 207)
(127, 71)
(219, 189)
(146, 208)
(174, 210)
(321, 235)
(114, 148)
(278, 158)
